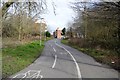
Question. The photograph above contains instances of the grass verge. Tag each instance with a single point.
(17, 58)
(108, 57)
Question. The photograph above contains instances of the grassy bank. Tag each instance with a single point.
(17, 58)
(108, 57)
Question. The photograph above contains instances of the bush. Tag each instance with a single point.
(9, 31)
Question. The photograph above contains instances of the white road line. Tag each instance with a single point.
(18, 75)
(28, 75)
(54, 61)
(54, 49)
(25, 74)
(78, 69)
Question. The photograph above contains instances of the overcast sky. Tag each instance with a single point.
(63, 15)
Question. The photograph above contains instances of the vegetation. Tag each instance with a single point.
(48, 34)
(17, 58)
(19, 19)
(95, 30)
(108, 57)
(21, 34)
(63, 31)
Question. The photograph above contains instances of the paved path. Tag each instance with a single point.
(61, 61)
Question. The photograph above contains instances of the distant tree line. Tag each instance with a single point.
(19, 18)
(96, 25)
(47, 33)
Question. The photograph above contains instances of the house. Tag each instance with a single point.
(57, 33)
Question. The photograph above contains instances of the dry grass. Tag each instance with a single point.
(13, 42)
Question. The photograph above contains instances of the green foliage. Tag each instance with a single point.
(99, 25)
(63, 31)
(47, 34)
(15, 59)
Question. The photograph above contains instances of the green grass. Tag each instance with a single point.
(103, 56)
(65, 42)
(16, 59)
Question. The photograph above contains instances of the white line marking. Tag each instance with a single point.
(19, 74)
(54, 49)
(54, 61)
(78, 69)
(36, 74)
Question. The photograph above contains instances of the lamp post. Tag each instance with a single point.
(41, 22)
(45, 32)
(40, 33)
(44, 27)
(40, 30)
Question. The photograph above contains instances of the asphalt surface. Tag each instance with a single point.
(61, 61)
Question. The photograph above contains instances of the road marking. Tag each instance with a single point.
(78, 69)
(54, 61)
(36, 74)
(54, 49)
(19, 74)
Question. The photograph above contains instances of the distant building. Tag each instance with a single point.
(57, 33)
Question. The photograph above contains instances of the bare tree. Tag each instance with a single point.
(98, 22)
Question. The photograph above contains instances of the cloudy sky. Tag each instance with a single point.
(64, 14)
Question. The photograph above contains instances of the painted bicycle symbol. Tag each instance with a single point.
(29, 74)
